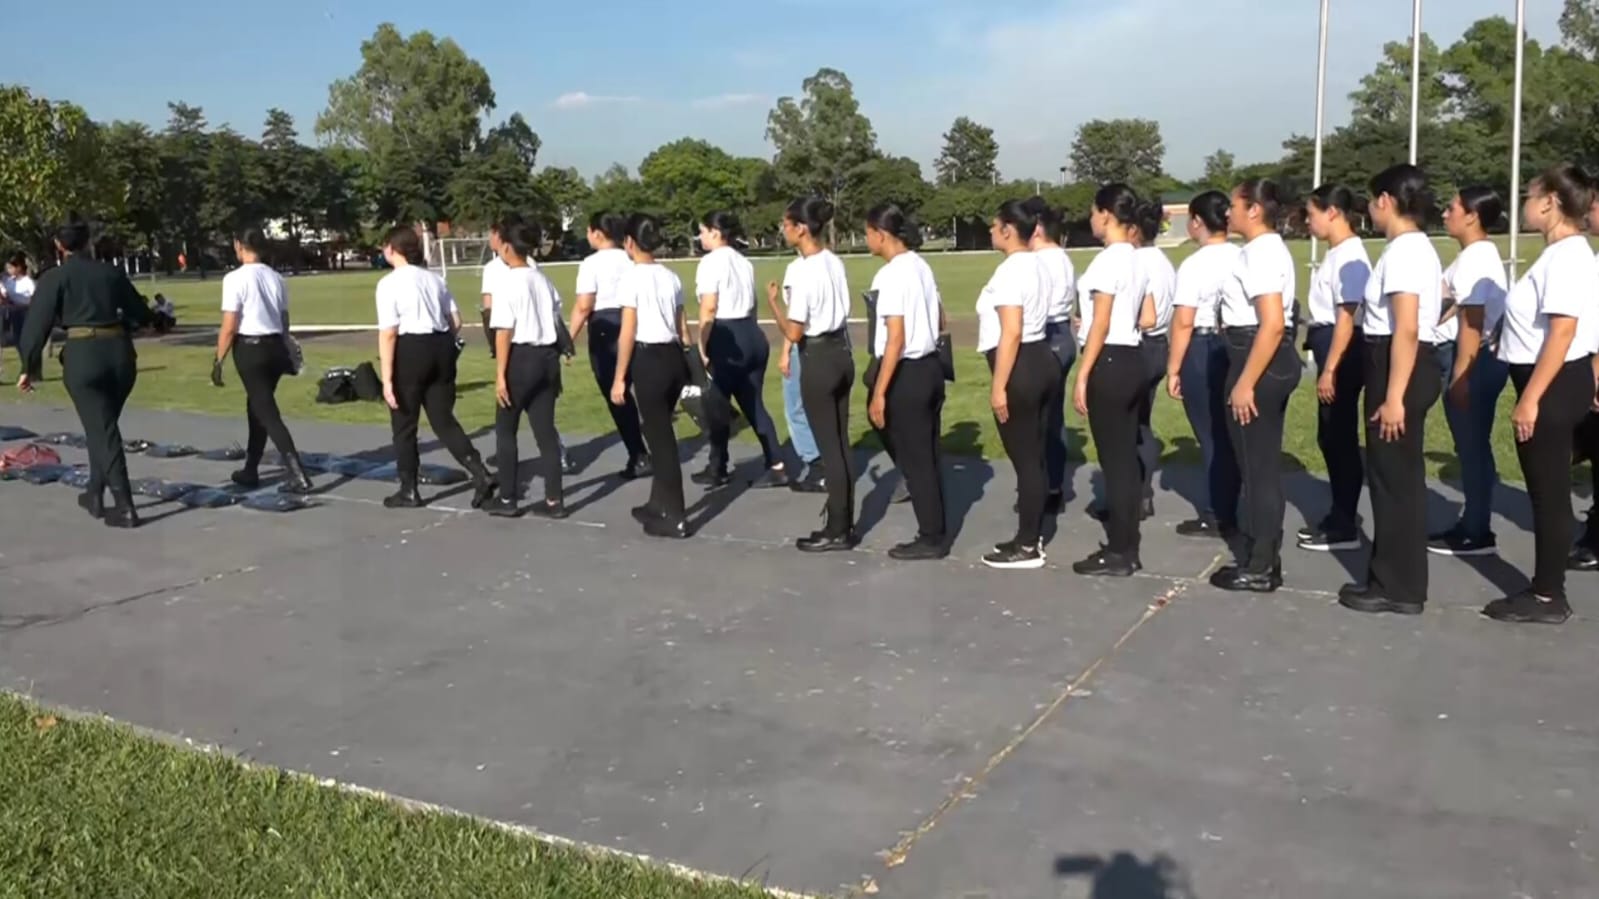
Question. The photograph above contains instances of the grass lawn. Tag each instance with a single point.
(89, 808)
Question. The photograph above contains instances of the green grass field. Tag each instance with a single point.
(89, 808)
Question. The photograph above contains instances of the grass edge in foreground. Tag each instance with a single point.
(92, 806)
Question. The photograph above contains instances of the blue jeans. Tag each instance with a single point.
(1204, 377)
(1472, 429)
(1063, 344)
(799, 427)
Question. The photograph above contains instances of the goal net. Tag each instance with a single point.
(458, 254)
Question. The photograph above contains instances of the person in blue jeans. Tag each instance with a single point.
(1196, 365)
(1473, 373)
(799, 427)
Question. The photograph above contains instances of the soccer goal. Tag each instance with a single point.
(447, 254)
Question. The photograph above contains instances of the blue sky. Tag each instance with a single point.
(605, 83)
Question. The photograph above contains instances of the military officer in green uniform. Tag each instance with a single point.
(100, 309)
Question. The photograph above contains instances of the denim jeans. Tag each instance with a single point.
(1063, 344)
(1472, 430)
(799, 427)
(1204, 377)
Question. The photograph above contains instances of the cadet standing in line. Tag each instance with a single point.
(527, 370)
(1047, 245)
(492, 270)
(417, 324)
(599, 309)
(1155, 271)
(100, 309)
(255, 327)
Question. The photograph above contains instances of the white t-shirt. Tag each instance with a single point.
(906, 288)
(1409, 264)
(1340, 280)
(259, 296)
(1564, 281)
(1155, 271)
(1477, 278)
(600, 273)
(1021, 280)
(1114, 271)
(657, 293)
(18, 291)
(1265, 267)
(1204, 278)
(725, 272)
(415, 301)
(818, 293)
(527, 305)
(1062, 282)
(492, 270)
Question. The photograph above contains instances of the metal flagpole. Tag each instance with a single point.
(1321, 111)
(1415, 75)
(1515, 138)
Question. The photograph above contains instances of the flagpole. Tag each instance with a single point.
(1515, 138)
(1321, 112)
(1415, 75)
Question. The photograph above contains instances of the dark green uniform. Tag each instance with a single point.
(99, 307)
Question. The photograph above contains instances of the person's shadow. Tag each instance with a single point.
(1124, 876)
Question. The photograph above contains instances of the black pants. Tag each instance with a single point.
(1259, 447)
(1204, 380)
(1546, 464)
(99, 374)
(914, 419)
(1033, 386)
(1153, 350)
(827, 374)
(659, 374)
(739, 352)
(1396, 475)
(1338, 426)
(1115, 399)
(533, 378)
(262, 362)
(605, 329)
(424, 379)
(1063, 344)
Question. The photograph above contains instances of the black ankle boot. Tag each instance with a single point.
(406, 497)
(121, 514)
(298, 482)
(483, 486)
(93, 501)
(248, 477)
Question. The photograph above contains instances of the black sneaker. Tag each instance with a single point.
(712, 477)
(1236, 580)
(502, 507)
(1203, 528)
(813, 482)
(568, 466)
(1455, 542)
(246, 478)
(544, 509)
(637, 467)
(1107, 564)
(1330, 541)
(644, 514)
(1528, 608)
(1015, 556)
(919, 550)
(1582, 559)
(1327, 525)
(821, 542)
(1372, 600)
(770, 479)
(666, 530)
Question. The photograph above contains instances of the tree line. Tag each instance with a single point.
(407, 138)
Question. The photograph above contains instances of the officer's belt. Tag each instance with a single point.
(92, 333)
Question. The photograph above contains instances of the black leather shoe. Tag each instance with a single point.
(712, 477)
(919, 550)
(637, 467)
(1201, 528)
(1372, 601)
(405, 498)
(667, 530)
(121, 513)
(1236, 580)
(820, 542)
(1582, 559)
(1106, 564)
(502, 507)
(1527, 608)
(554, 512)
(92, 502)
(771, 479)
(815, 480)
(298, 483)
(644, 514)
(248, 478)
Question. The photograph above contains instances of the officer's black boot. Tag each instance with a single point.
(407, 497)
(483, 486)
(92, 500)
(121, 513)
(249, 477)
(298, 481)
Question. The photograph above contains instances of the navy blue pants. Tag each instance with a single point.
(739, 351)
(1063, 343)
(605, 329)
(1338, 427)
(1204, 378)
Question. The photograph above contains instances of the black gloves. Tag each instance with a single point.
(216, 373)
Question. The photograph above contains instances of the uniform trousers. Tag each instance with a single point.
(1396, 475)
(659, 374)
(1204, 380)
(1115, 399)
(1259, 449)
(424, 380)
(533, 379)
(1338, 427)
(1063, 344)
(1154, 348)
(1546, 465)
(1033, 385)
(261, 363)
(605, 329)
(99, 374)
(913, 415)
(739, 353)
(826, 377)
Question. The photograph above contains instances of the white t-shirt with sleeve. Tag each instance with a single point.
(492, 270)
(1564, 281)
(1062, 283)
(1477, 278)
(1114, 272)
(1020, 280)
(725, 272)
(1265, 267)
(600, 273)
(414, 300)
(527, 305)
(657, 293)
(1203, 278)
(1155, 270)
(906, 289)
(259, 296)
(18, 291)
(1340, 280)
(1409, 264)
(818, 293)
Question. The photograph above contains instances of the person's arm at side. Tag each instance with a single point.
(387, 339)
(1343, 336)
(707, 322)
(1405, 308)
(1468, 344)
(1098, 330)
(624, 354)
(893, 349)
(1182, 334)
(1146, 313)
(36, 330)
(682, 327)
(1268, 337)
(1010, 346)
(502, 365)
(582, 308)
(1560, 332)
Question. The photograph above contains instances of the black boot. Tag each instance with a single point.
(298, 482)
(483, 486)
(406, 497)
(248, 477)
(92, 500)
(121, 513)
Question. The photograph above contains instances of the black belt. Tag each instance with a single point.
(257, 339)
(534, 346)
(1206, 332)
(1149, 337)
(429, 334)
(658, 346)
(1251, 331)
(1389, 338)
(838, 334)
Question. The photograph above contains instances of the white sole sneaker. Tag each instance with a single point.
(1463, 553)
(1022, 565)
(1330, 547)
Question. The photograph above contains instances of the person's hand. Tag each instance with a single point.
(1174, 386)
(1080, 396)
(388, 396)
(1390, 420)
(782, 364)
(502, 392)
(773, 291)
(1000, 403)
(1327, 387)
(1525, 420)
(877, 411)
(619, 393)
(25, 384)
(216, 373)
(1460, 393)
(1242, 402)
(706, 361)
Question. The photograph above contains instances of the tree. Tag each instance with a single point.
(1125, 150)
(416, 106)
(290, 187)
(1579, 27)
(516, 135)
(822, 140)
(1220, 171)
(562, 193)
(690, 178)
(49, 167)
(1384, 94)
(235, 186)
(888, 179)
(970, 155)
(489, 186)
(618, 191)
(130, 161)
(185, 155)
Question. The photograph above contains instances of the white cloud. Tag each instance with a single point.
(724, 101)
(582, 99)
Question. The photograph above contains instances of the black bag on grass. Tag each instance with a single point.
(337, 386)
(368, 386)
